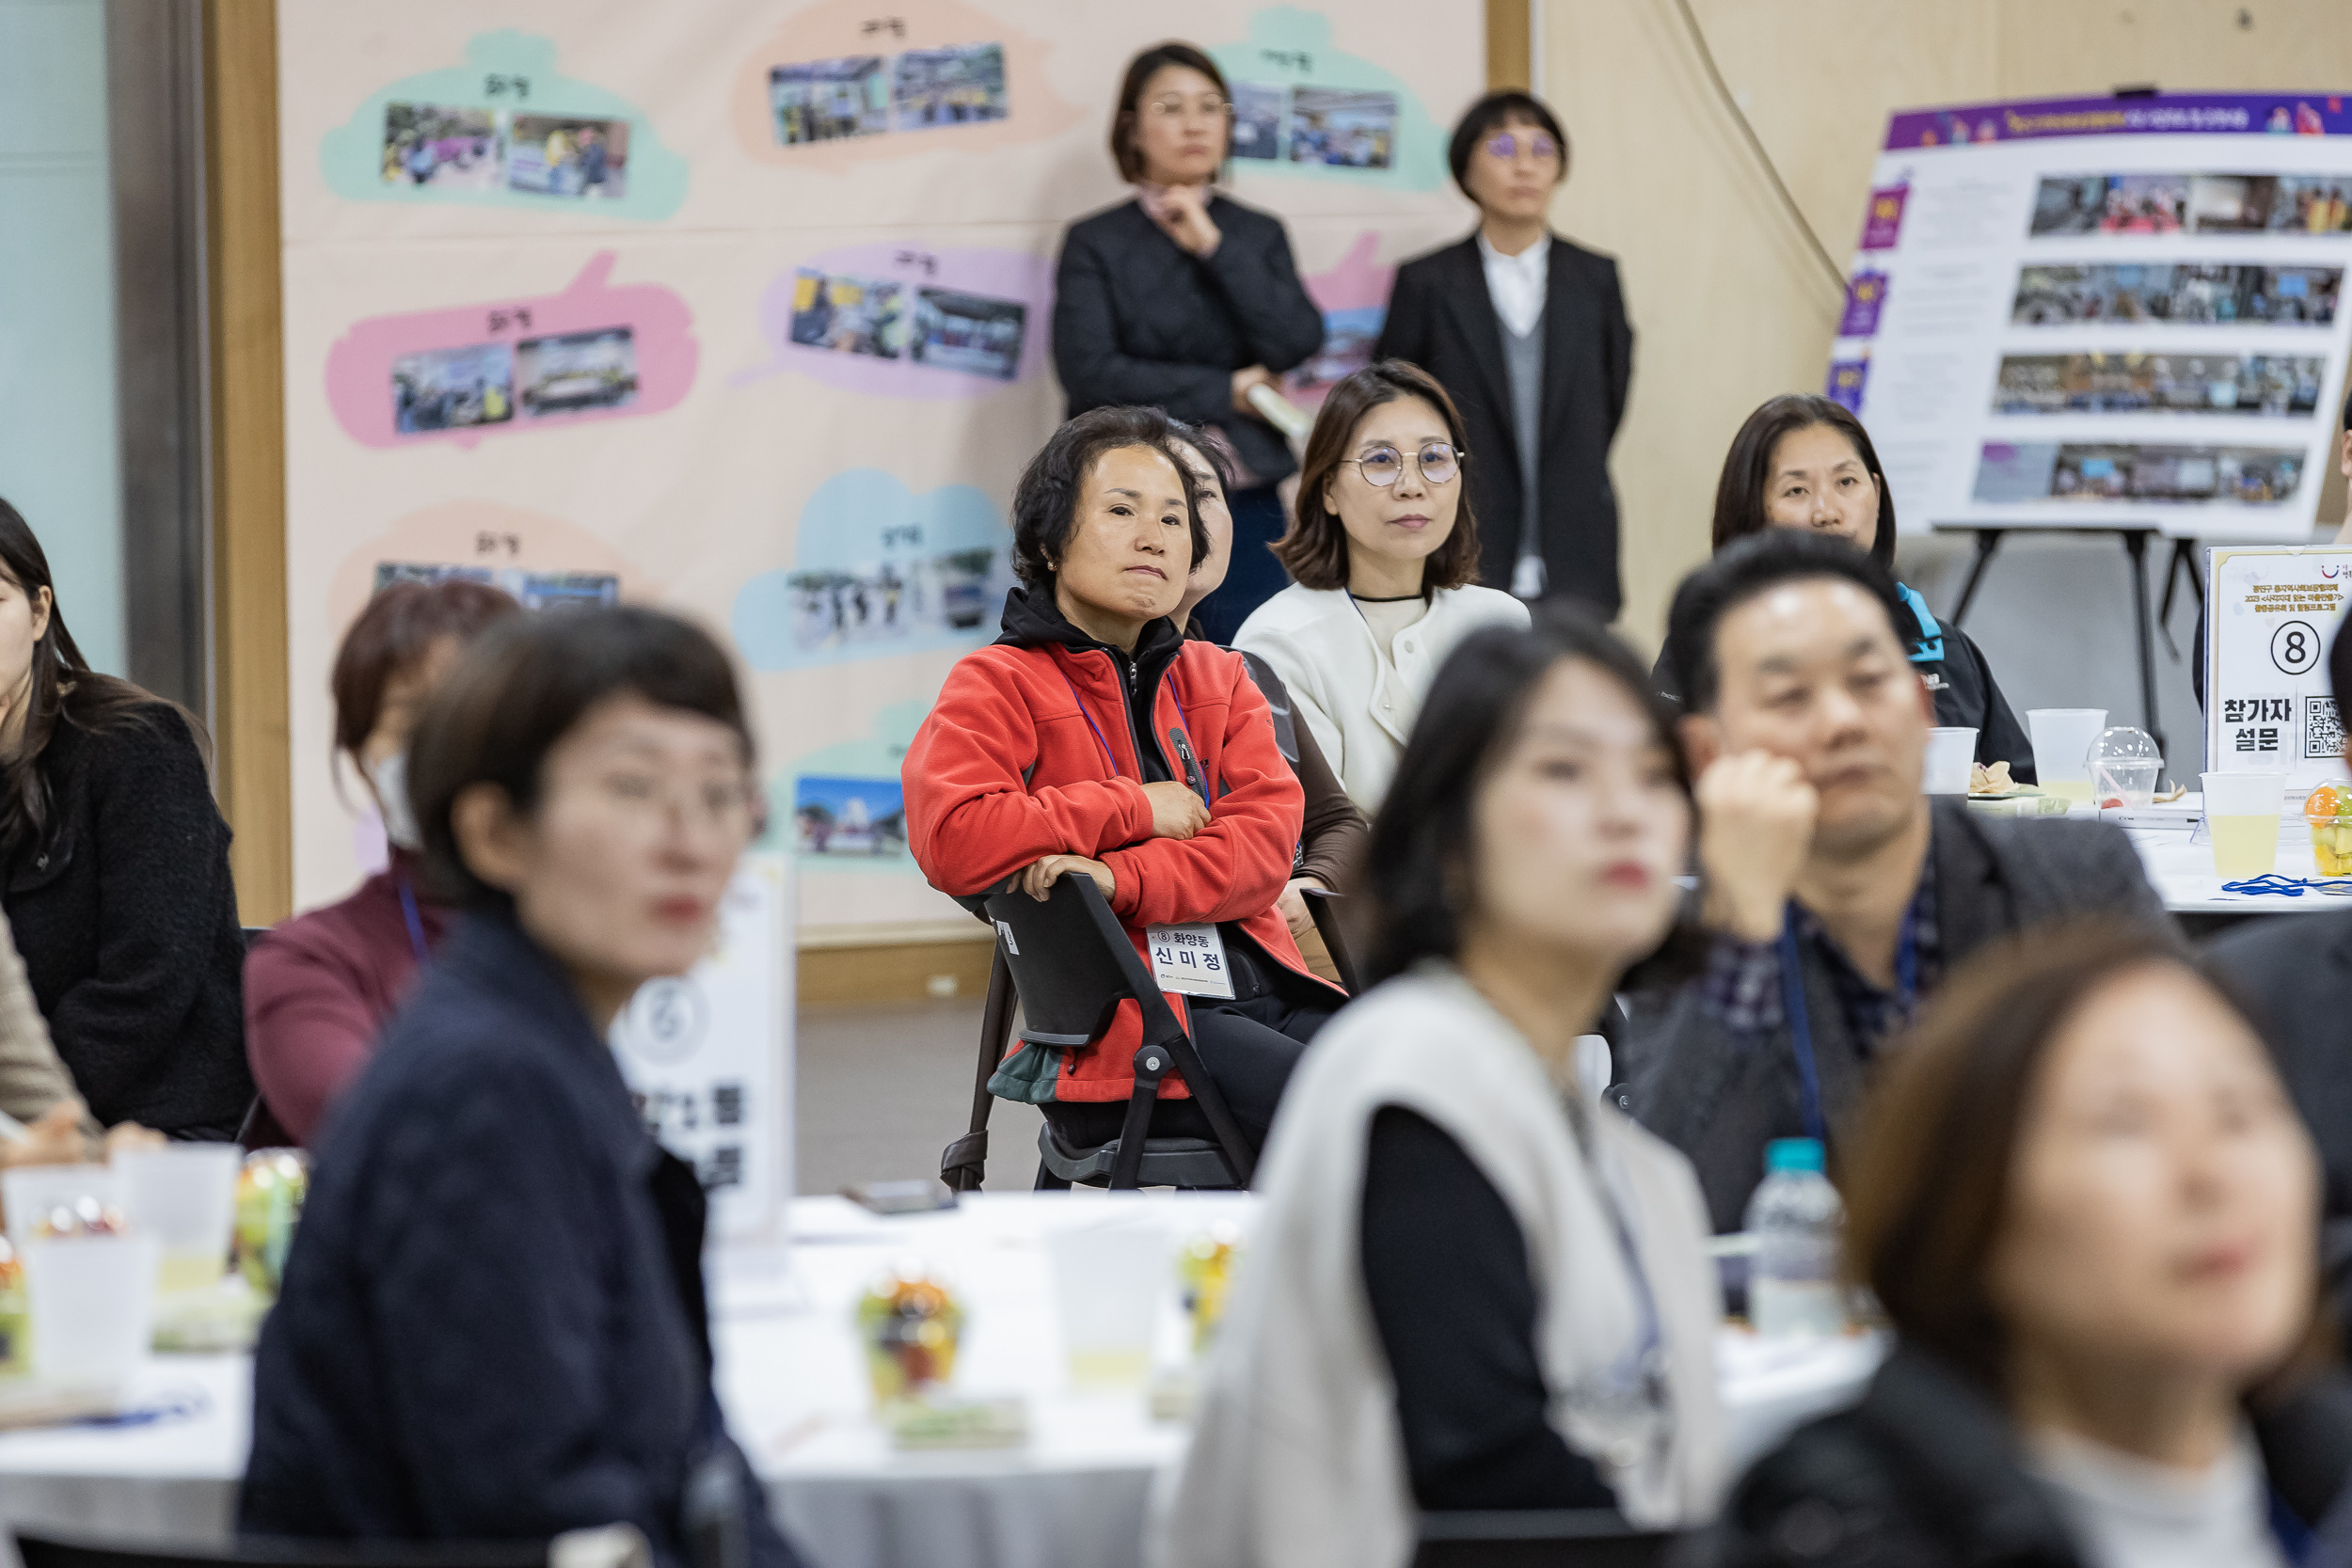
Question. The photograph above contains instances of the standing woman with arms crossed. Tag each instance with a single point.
(116, 867)
(1385, 550)
(1184, 300)
(1528, 333)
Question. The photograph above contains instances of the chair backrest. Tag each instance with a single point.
(1563, 1538)
(49, 1551)
(1073, 964)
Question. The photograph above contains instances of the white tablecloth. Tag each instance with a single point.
(2180, 863)
(794, 1386)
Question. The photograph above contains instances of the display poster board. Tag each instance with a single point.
(2271, 614)
(708, 1057)
(743, 309)
(2106, 312)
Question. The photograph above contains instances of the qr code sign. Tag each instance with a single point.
(2323, 729)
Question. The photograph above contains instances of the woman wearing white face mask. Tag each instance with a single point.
(319, 988)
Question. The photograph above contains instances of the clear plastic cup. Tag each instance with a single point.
(1110, 1278)
(92, 1303)
(2062, 748)
(32, 1193)
(2242, 818)
(1951, 752)
(183, 1198)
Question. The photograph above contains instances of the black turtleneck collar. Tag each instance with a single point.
(1035, 620)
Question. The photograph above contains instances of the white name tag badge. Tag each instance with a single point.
(1189, 960)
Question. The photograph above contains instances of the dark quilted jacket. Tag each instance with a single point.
(1138, 320)
(1926, 1472)
(492, 1326)
(127, 919)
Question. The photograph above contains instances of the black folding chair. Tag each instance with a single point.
(1323, 905)
(1070, 964)
(1563, 1538)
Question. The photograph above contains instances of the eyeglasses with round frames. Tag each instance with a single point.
(1382, 467)
(1505, 146)
(1208, 107)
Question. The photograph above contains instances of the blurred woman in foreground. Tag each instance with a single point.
(2092, 1217)
(493, 1325)
(1469, 1277)
(319, 989)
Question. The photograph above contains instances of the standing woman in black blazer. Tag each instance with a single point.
(1185, 299)
(1528, 334)
(116, 866)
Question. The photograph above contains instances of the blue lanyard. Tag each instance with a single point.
(416, 922)
(1930, 646)
(1799, 1021)
(1184, 719)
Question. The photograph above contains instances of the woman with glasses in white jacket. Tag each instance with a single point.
(1383, 552)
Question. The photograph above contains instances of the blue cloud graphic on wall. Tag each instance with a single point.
(879, 570)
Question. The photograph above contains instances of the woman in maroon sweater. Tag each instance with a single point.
(319, 988)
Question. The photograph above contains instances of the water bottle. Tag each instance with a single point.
(1795, 1217)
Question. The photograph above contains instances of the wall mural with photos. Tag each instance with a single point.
(586, 352)
(503, 129)
(743, 308)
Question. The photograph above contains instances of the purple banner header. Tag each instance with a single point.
(2311, 114)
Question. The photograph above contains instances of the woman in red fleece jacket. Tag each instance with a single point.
(1091, 739)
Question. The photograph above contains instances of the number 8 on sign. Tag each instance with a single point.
(2295, 647)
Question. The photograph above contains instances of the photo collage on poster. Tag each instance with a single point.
(453, 147)
(532, 589)
(2268, 384)
(1335, 127)
(2194, 203)
(2117, 312)
(945, 328)
(2109, 472)
(867, 95)
(893, 600)
(489, 384)
(850, 819)
(2190, 292)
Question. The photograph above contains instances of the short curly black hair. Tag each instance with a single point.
(1045, 501)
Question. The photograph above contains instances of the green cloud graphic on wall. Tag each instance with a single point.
(503, 130)
(879, 570)
(1301, 108)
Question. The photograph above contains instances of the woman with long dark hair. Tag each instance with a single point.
(117, 865)
(1805, 462)
(1183, 299)
(1470, 1276)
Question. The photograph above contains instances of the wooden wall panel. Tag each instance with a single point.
(1510, 43)
(249, 449)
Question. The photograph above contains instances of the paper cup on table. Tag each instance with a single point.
(1950, 754)
(1109, 1278)
(93, 1301)
(32, 1193)
(2242, 813)
(2062, 748)
(184, 1199)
